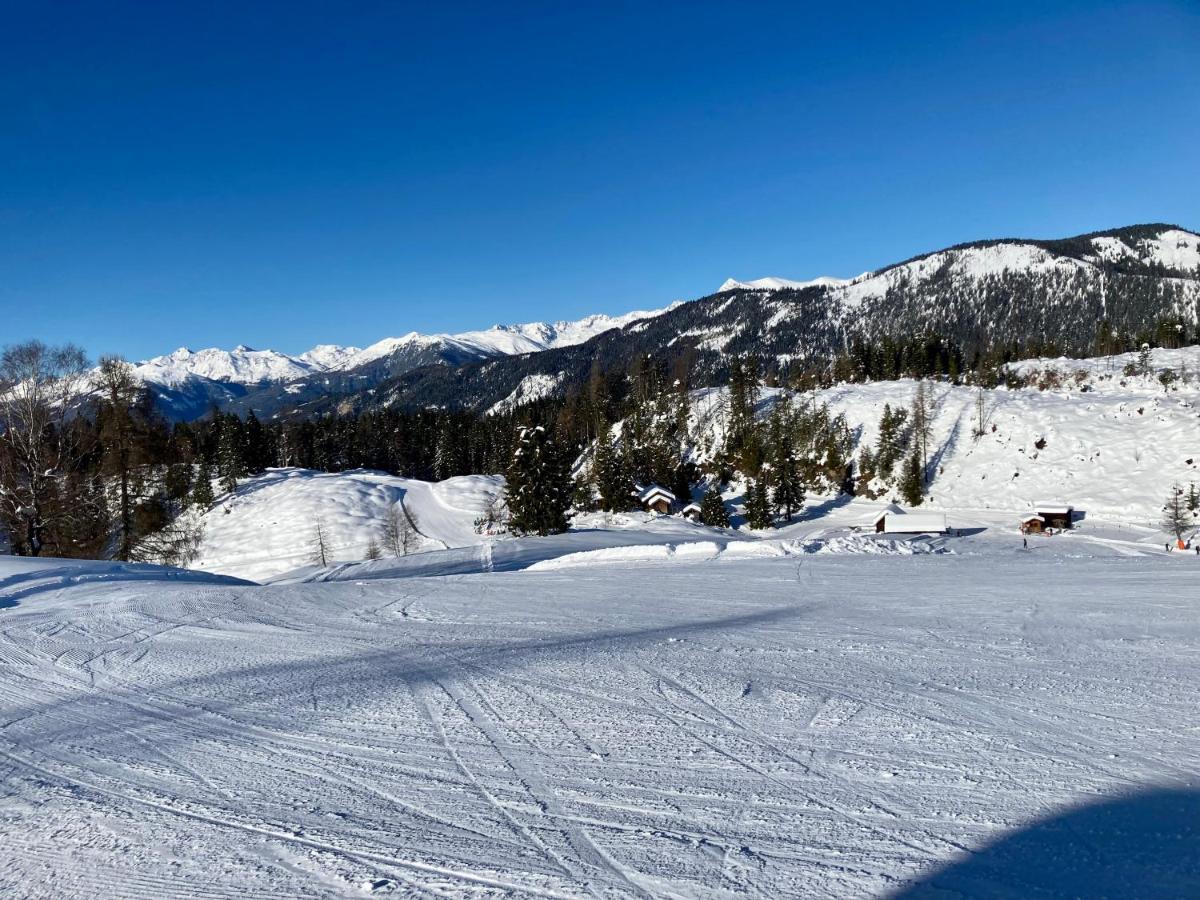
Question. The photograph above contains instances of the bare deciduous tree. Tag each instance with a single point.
(41, 388)
(320, 546)
(401, 536)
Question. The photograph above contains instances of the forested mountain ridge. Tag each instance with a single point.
(1105, 291)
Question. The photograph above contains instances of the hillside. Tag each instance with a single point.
(978, 296)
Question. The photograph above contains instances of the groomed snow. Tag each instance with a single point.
(814, 724)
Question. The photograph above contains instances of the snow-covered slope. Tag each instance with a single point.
(268, 526)
(245, 365)
(984, 723)
(778, 284)
(504, 340)
(241, 365)
(1111, 444)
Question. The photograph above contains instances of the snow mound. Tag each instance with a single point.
(268, 526)
(701, 551)
(22, 577)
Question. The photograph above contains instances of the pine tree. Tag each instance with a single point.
(712, 509)
(1193, 500)
(202, 493)
(538, 488)
(259, 452)
(611, 475)
(912, 483)
(230, 453)
(758, 506)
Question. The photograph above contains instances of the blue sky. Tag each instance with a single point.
(284, 175)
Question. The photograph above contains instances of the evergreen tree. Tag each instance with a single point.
(611, 476)
(538, 489)
(912, 482)
(230, 453)
(259, 450)
(202, 493)
(712, 509)
(758, 506)
(1193, 500)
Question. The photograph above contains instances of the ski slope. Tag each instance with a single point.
(824, 724)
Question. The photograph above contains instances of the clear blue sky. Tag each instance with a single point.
(282, 175)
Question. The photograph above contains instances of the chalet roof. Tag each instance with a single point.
(1034, 517)
(656, 492)
(1054, 507)
(692, 507)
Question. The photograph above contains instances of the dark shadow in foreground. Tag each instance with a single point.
(1144, 845)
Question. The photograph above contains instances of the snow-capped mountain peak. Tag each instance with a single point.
(777, 284)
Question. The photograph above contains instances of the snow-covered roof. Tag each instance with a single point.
(890, 510)
(1054, 507)
(916, 522)
(1033, 518)
(691, 507)
(656, 492)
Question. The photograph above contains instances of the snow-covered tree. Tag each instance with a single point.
(202, 492)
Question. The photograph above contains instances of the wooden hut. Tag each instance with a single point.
(657, 499)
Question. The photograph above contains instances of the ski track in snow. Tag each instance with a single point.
(725, 726)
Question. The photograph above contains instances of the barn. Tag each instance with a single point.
(658, 499)
(1054, 513)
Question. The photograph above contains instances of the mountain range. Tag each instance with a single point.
(978, 295)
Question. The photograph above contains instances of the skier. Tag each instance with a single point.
(1025, 543)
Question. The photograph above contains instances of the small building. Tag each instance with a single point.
(877, 522)
(1054, 513)
(1033, 524)
(658, 499)
(901, 522)
(691, 511)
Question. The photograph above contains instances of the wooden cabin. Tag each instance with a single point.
(1033, 524)
(691, 511)
(1054, 513)
(657, 499)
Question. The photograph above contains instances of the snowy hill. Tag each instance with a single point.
(269, 525)
(1110, 443)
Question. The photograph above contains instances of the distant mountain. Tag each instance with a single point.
(187, 383)
(978, 295)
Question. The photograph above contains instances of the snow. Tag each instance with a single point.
(833, 723)
(268, 526)
(530, 388)
(777, 284)
(1112, 444)
(1173, 248)
(506, 340)
(242, 365)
